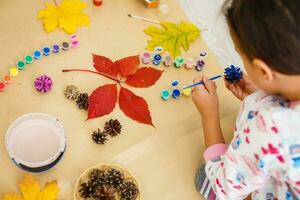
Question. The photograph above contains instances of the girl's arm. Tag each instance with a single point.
(206, 100)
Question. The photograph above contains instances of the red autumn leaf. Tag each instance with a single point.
(144, 77)
(105, 65)
(134, 107)
(128, 66)
(102, 101)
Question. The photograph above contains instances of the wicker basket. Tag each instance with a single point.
(84, 176)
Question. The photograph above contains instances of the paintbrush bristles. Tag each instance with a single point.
(144, 19)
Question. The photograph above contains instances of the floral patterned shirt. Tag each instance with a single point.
(264, 155)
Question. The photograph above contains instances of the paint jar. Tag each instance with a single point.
(55, 48)
(35, 142)
(157, 59)
(146, 57)
(46, 51)
(179, 61)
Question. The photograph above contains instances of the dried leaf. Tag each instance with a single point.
(134, 107)
(172, 37)
(49, 192)
(144, 77)
(105, 65)
(128, 66)
(102, 101)
(68, 15)
(30, 189)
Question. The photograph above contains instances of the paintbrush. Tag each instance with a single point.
(232, 74)
(144, 19)
(201, 82)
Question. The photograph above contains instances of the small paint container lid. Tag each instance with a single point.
(175, 83)
(46, 51)
(37, 54)
(21, 65)
(158, 50)
(55, 48)
(7, 79)
(74, 44)
(203, 53)
(165, 95)
(14, 71)
(28, 59)
(35, 142)
(157, 59)
(179, 61)
(65, 46)
(146, 57)
(168, 61)
(2, 86)
(176, 93)
(74, 38)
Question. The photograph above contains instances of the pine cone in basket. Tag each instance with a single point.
(105, 193)
(114, 178)
(86, 190)
(71, 92)
(99, 137)
(130, 191)
(113, 127)
(97, 177)
(83, 101)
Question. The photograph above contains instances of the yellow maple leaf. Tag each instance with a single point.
(68, 15)
(30, 189)
(172, 37)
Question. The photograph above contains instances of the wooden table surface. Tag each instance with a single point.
(163, 159)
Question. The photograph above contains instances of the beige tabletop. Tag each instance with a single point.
(163, 159)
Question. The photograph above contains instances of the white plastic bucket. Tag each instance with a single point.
(35, 142)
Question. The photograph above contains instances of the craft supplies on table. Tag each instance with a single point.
(165, 95)
(146, 57)
(36, 55)
(179, 61)
(35, 142)
(168, 61)
(176, 93)
(157, 59)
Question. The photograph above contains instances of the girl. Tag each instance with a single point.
(263, 159)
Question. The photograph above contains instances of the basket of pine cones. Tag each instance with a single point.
(106, 182)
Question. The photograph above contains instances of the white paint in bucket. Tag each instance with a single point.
(35, 140)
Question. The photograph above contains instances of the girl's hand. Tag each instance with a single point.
(241, 89)
(205, 97)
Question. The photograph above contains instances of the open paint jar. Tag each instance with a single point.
(35, 142)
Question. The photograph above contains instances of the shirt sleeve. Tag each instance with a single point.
(253, 153)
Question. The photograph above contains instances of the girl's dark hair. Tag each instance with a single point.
(268, 30)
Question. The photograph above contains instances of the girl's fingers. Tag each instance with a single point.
(210, 86)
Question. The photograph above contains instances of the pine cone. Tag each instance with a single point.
(86, 190)
(71, 92)
(105, 193)
(83, 101)
(114, 178)
(99, 137)
(113, 127)
(129, 191)
(97, 177)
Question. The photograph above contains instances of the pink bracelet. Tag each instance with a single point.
(214, 151)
